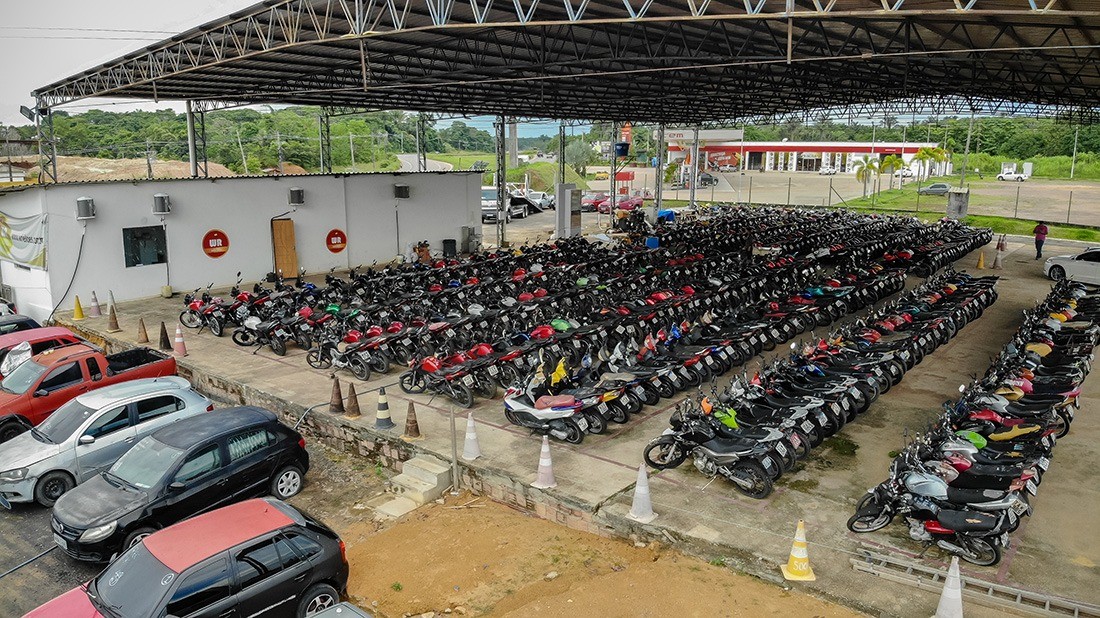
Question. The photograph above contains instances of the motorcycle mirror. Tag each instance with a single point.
(962, 388)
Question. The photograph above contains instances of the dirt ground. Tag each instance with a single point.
(475, 557)
(86, 169)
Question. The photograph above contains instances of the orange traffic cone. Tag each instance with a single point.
(545, 478)
(798, 566)
(178, 347)
(351, 409)
(78, 311)
(412, 428)
(112, 320)
(165, 344)
(93, 309)
(143, 335)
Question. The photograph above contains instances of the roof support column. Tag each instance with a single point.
(694, 167)
(658, 202)
(47, 145)
(503, 205)
(324, 148)
(612, 197)
(561, 153)
(421, 143)
(192, 145)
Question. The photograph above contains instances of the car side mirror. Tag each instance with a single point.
(177, 487)
(86, 440)
(41, 392)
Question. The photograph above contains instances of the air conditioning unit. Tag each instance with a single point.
(85, 208)
(401, 192)
(162, 204)
(296, 196)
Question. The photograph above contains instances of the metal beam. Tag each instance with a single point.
(192, 151)
(503, 207)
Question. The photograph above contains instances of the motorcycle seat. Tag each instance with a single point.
(733, 446)
(265, 325)
(554, 401)
(959, 495)
(967, 521)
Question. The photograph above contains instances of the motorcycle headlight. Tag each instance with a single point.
(14, 475)
(91, 535)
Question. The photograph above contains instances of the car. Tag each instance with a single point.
(1015, 176)
(727, 167)
(257, 557)
(13, 322)
(19, 346)
(936, 188)
(707, 180)
(88, 434)
(602, 176)
(189, 467)
(590, 202)
(827, 171)
(489, 206)
(621, 203)
(542, 199)
(903, 172)
(1083, 267)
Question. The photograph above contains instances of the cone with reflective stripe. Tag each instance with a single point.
(951, 600)
(997, 264)
(351, 409)
(178, 347)
(798, 566)
(93, 309)
(78, 311)
(412, 428)
(382, 418)
(336, 400)
(143, 335)
(545, 478)
(641, 510)
(112, 320)
(981, 260)
(165, 342)
(471, 450)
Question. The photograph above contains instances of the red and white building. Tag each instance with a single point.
(723, 147)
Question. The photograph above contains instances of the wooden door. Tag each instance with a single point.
(286, 254)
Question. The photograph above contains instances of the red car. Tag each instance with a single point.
(591, 201)
(39, 339)
(622, 203)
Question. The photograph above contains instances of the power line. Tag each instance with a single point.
(76, 38)
(62, 28)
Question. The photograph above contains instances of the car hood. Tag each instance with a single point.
(73, 604)
(24, 450)
(1059, 258)
(97, 502)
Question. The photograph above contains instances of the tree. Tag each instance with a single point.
(891, 164)
(865, 169)
(926, 156)
(578, 155)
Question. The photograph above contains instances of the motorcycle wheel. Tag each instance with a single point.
(379, 363)
(596, 424)
(804, 446)
(980, 551)
(512, 417)
(664, 453)
(461, 395)
(870, 521)
(761, 485)
(412, 383)
(822, 318)
(769, 343)
(318, 360)
(216, 327)
(400, 355)
(665, 390)
(485, 388)
(190, 319)
(303, 340)
(631, 404)
(789, 460)
(278, 346)
(693, 379)
(244, 337)
(651, 394)
(1062, 424)
(573, 433)
(777, 466)
(359, 368)
(619, 414)
(509, 375)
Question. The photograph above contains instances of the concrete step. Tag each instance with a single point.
(418, 490)
(395, 508)
(428, 469)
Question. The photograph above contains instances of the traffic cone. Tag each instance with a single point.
(951, 600)
(165, 343)
(471, 450)
(382, 418)
(178, 347)
(545, 478)
(997, 265)
(981, 260)
(78, 311)
(110, 299)
(336, 401)
(143, 335)
(351, 410)
(93, 309)
(412, 428)
(798, 566)
(112, 320)
(641, 510)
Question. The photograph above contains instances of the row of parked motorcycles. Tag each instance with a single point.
(964, 485)
(756, 429)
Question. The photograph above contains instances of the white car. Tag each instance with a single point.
(904, 172)
(1017, 176)
(827, 171)
(1083, 267)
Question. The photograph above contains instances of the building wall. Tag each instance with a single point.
(440, 204)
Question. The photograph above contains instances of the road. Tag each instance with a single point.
(408, 164)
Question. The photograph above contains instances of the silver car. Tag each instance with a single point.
(88, 434)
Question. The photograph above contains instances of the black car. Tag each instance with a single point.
(13, 323)
(189, 467)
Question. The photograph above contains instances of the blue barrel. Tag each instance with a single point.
(622, 149)
(652, 242)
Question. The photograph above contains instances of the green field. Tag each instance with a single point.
(540, 174)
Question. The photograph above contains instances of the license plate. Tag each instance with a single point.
(577, 344)
(853, 391)
(821, 418)
(1004, 539)
(752, 340)
(844, 404)
(1019, 507)
(582, 423)
(62, 543)
(1044, 463)
(709, 360)
(775, 333)
(876, 371)
(1032, 488)
(518, 362)
(779, 448)
(684, 372)
(639, 391)
(468, 380)
(729, 350)
(282, 333)
(767, 463)
(1048, 441)
(602, 408)
(493, 370)
(807, 426)
(795, 440)
(655, 380)
(307, 327)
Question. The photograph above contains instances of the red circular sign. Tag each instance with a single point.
(336, 240)
(215, 243)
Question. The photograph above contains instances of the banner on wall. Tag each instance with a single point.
(23, 240)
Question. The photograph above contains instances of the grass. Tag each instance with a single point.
(396, 586)
(803, 484)
(388, 163)
(841, 446)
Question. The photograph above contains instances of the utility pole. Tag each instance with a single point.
(966, 153)
(1073, 162)
(149, 159)
(279, 145)
(351, 144)
(244, 159)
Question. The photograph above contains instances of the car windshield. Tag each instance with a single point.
(133, 585)
(488, 194)
(22, 378)
(66, 420)
(147, 463)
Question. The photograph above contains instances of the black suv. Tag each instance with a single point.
(189, 467)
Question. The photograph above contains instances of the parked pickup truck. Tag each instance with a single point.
(42, 384)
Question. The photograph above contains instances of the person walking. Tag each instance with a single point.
(1040, 232)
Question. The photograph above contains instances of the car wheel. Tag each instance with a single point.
(51, 487)
(1056, 272)
(11, 429)
(286, 483)
(317, 599)
(136, 537)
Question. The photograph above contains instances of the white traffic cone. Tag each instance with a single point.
(641, 510)
(471, 450)
(951, 600)
(545, 479)
(94, 310)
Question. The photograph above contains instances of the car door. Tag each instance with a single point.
(155, 412)
(271, 574)
(204, 591)
(106, 438)
(252, 461)
(59, 385)
(197, 486)
(1086, 268)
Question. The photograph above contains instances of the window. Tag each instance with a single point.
(206, 460)
(39, 347)
(143, 246)
(153, 407)
(93, 369)
(65, 375)
(244, 444)
(306, 547)
(287, 554)
(203, 588)
(1091, 256)
(110, 422)
(257, 563)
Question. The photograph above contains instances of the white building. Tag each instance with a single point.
(217, 227)
(723, 147)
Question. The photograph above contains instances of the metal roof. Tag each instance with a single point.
(673, 61)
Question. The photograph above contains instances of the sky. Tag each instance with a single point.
(39, 45)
